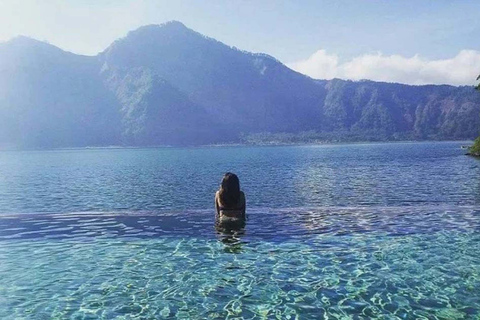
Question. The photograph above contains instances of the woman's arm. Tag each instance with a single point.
(244, 205)
(217, 210)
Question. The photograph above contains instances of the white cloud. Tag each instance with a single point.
(319, 65)
(462, 69)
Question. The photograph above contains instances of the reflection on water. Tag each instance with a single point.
(477, 181)
(233, 242)
(329, 262)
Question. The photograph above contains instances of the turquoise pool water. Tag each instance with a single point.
(376, 232)
(302, 263)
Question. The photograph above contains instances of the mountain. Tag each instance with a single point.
(169, 85)
(52, 98)
(242, 91)
(397, 111)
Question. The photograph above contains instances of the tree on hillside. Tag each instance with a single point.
(475, 149)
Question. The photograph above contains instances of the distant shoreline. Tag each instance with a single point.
(329, 143)
(226, 145)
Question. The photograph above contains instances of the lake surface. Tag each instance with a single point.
(334, 232)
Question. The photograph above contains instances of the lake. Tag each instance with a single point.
(333, 232)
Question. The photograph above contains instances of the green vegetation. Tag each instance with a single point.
(315, 137)
(475, 149)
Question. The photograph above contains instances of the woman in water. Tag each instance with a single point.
(230, 201)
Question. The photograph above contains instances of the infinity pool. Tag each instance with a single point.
(296, 263)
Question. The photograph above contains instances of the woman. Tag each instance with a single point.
(230, 201)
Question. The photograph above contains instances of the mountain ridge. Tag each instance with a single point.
(169, 85)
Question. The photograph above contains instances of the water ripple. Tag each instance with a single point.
(359, 274)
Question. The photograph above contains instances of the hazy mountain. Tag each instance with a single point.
(52, 98)
(397, 111)
(170, 85)
(247, 92)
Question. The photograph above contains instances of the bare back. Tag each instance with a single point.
(236, 212)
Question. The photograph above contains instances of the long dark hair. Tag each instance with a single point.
(229, 190)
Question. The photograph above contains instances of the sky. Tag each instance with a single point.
(413, 42)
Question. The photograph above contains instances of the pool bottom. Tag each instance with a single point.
(369, 275)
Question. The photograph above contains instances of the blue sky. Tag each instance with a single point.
(413, 41)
